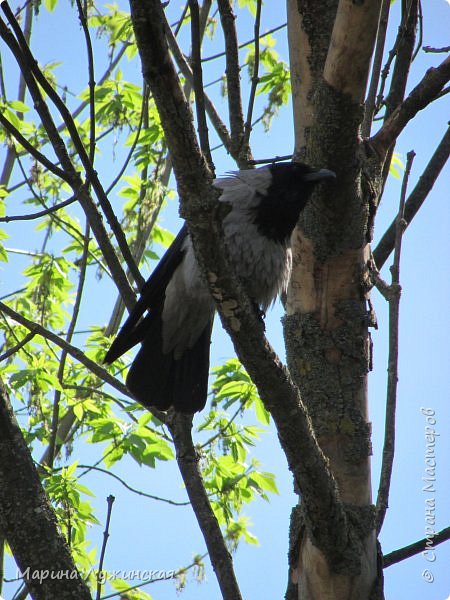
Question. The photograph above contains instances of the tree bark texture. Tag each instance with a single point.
(28, 522)
(326, 324)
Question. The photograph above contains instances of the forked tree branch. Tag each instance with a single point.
(416, 198)
(391, 399)
(198, 203)
(423, 94)
(370, 103)
(186, 70)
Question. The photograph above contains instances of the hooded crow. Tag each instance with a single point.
(172, 366)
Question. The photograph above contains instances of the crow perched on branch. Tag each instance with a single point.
(172, 366)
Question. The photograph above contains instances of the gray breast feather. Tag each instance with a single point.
(263, 265)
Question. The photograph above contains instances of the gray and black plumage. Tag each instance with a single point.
(172, 365)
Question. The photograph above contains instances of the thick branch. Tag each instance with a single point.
(425, 92)
(352, 42)
(416, 198)
(425, 544)
(28, 520)
(280, 396)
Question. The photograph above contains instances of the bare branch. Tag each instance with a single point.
(186, 70)
(391, 400)
(76, 353)
(110, 500)
(425, 92)
(227, 18)
(41, 213)
(412, 549)
(264, 161)
(32, 150)
(255, 76)
(69, 336)
(198, 83)
(91, 84)
(445, 49)
(247, 43)
(416, 198)
(370, 103)
(23, 342)
(180, 427)
(130, 488)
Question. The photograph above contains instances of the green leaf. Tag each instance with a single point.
(50, 5)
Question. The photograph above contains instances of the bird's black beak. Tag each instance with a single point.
(319, 175)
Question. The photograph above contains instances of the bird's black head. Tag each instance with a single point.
(290, 188)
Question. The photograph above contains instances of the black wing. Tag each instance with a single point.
(134, 329)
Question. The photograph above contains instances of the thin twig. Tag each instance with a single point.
(41, 213)
(445, 49)
(33, 150)
(416, 198)
(198, 83)
(391, 400)
(255, 76)
(76, 353)
(369, 106)
(117, 178)
(412, 549)
(130, 488)
(90, 54)
(17, 346)
(264, 161)
(62, 361)
(247, 43)
(110, 500)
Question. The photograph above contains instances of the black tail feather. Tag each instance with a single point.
(159, 380)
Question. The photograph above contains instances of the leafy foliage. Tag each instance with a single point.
(59, 259)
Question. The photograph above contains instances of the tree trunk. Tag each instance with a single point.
(326, 323)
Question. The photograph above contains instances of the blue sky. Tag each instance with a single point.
(149, 535)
